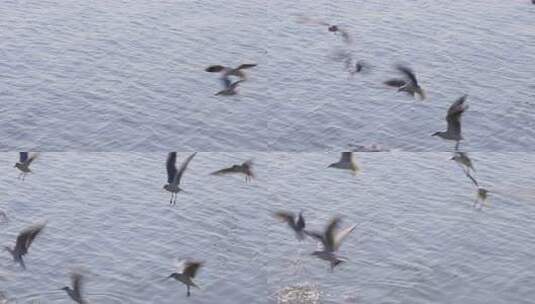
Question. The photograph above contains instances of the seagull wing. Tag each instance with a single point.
(330, 235)
(26, 237)
(395, 83)
(234, 84)
(183, 168)
(341, 235)
(408, 73)
(191, 268)
(32, 158)
(287, 217)
(454, 116)
(215, 68)
(23, 156)
(246, 66)
(224, 171)
(171, 167)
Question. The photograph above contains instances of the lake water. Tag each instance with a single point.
(418, 240)
(128, 75)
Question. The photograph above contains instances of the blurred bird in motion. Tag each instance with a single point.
(25, 160)
(331, 239)
(189, 271)
(246, 168)
(462, 159)
(481, 198)
(330, 27)
(24, 240)
(296, 223)
(453, 118)
(346, 162)
(229, 87)
(409, 84)
(174, 175)
(76, 292)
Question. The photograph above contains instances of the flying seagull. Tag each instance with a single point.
(465, 163)
(245, 168)
(76, 292)
(25, 160)
(296, 223)
(330, 27)
(174, 176)
(230, 88)
(409, 84)
(188, 273)
(24, 240)
(454, 121)
(331, 240)
(346, 162)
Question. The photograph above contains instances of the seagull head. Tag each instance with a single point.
(166, 187)
(333, 28)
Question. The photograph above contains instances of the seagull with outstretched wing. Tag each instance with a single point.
(25, 160)
(24, 240)
(453, 118)
(174, 175)
(187, 275)
(408, 84)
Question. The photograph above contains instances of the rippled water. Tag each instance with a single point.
(128, 75)
(418, 240)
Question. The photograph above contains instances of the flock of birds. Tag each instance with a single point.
(407, 82)
(330, 239)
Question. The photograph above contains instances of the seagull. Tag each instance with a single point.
(465, 162)
(454, 121)
(331, 240)
(296, 223)
(409, 84)
(24, 240)
(24, 163)
(346, 162)
(186, 277)
(330, 27)
(76, 292)
(245, 168)
(174, 175)
(230, 88)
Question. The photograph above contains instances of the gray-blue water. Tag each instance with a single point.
(419, 239)
(128, 75)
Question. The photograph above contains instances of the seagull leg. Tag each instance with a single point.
(188, 293)
(457, 146)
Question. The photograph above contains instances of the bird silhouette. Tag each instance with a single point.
(174, 175)
(24, 240)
